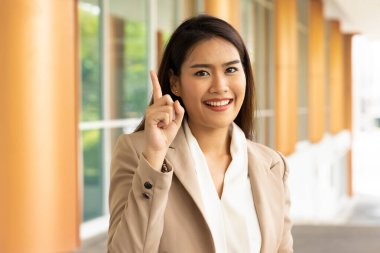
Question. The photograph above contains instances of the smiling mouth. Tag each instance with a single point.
(219, 103)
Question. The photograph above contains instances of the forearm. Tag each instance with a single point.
(138, 200)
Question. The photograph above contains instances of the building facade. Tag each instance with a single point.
(77, 76)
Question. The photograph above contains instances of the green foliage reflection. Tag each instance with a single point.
(90, 64)
(93, 183)
(135, 72)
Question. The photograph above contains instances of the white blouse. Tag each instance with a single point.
(232, 218)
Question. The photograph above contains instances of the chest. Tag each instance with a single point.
(185, 228)
(218, 167)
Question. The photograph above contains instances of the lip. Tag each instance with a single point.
(218, 108)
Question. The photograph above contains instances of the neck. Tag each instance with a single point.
(215, 142)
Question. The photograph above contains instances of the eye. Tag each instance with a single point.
(201, 73)
(231, 70)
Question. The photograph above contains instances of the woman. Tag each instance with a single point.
(190, 179)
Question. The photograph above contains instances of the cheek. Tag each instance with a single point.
(192, 97)
(240, 85)
(191, 91)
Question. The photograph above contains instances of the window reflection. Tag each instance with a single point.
(89, 49)
(89, 12)
(264, 72)
(128, 36)
(303, 15)
(114, 51)
(92, 172)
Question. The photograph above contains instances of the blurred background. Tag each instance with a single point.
(74, 76)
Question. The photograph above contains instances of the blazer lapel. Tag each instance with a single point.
(263, 185)
(261, 178)
(179, 156)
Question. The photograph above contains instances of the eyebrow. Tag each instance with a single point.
(209, 65)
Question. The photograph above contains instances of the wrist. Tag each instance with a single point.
(154, 158)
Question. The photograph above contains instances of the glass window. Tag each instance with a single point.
(114, 62)
(187, 9)
(264, 72)
(91, 141)
(90, 58)
(247, 28)
(171, 13)
(168, 13)
(128, 35)
(302, 10)
(93, 174)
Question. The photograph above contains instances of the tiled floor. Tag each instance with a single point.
(365, 211)
(336, 239)
(359, 234)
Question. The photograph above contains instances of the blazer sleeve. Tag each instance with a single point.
(286, 245)
(136, 210)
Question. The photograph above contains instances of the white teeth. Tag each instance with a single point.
(218, 103)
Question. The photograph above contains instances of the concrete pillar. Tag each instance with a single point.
(38, 126)
(316, 72)
(228, 10)
(336, 89)
(347, 80)
(218, 8)
(347, 38)
(286, 75)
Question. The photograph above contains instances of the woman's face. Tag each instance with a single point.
(211, 84)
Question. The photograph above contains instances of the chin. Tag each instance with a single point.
(220, 124)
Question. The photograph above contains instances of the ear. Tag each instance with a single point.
(174, 83)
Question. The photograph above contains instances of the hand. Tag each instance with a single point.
(162, 121)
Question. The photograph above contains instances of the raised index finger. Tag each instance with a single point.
(157, 92)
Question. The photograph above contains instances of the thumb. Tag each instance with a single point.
(179, 112)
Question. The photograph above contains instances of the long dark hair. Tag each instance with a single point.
(184, 38)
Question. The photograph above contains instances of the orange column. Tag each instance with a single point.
(347, 38)
(286, 75)
(229, 10)
(336, 78)
(347, 81)
(188, 9)
(116, 69)
(218, 8)
(316, 76)
(235, 13)
(38, 126)
(160, 46)
(116, 66)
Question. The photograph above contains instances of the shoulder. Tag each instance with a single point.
(263, 151)
(133, 136)
(266, 155)
(127, 151)
(133, 140)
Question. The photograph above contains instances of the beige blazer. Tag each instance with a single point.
(154, 212)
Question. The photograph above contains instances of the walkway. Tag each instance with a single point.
(360, 233)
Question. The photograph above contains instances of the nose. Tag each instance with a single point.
(219, 84)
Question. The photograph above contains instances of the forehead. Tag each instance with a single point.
(214, 50)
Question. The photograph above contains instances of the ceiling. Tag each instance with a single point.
(356, 16)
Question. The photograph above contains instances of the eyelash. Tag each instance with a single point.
(201, 73)
(229, 70)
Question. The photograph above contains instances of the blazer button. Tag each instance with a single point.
(148, 185)
(146, 195)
